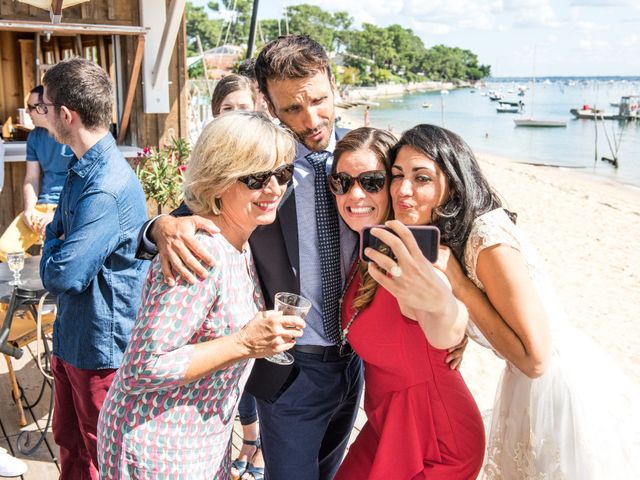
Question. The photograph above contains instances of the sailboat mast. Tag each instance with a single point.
(533, 82)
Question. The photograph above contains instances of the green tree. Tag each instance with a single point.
(349, 76)
(371, 54)
(326, 28)
(446, 63)
(268, 30)
(199, 24)
(240, 18)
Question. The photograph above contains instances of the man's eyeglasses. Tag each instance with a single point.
(371, 182)
(41, 108)
(259, 180)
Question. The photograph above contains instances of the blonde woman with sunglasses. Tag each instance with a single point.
(170, 410)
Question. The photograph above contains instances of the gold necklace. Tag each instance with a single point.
(345, 331)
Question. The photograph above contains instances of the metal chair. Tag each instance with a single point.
(20, 319)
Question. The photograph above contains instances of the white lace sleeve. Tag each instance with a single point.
(492, 228)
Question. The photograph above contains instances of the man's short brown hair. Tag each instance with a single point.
(290, 56)
(84, 87)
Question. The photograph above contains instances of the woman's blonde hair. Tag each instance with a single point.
(233, 145)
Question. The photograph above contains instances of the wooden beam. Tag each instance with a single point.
(56, 7)
(70, 28)
(56, 50)
(78, 46)
(131, 90)
(3, 101)
(165, 50)
(9, 68)
(27, 67)
(102, 54)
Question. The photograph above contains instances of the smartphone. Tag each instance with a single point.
(427, 237)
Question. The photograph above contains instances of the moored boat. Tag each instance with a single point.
(507, 108)
(532, 122)
(628, 109)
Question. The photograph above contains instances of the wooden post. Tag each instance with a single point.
(27, 66)
(131, 90)
(22, 420)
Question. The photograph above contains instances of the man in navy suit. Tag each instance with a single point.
(305, 426)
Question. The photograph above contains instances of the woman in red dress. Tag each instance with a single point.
(422, 422)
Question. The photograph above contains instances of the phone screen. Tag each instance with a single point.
(427, 237)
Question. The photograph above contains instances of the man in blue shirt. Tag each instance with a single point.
(88, 260)
(47, 166)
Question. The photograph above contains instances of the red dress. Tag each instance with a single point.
(422, 422)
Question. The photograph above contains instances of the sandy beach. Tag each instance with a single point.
(587, 230)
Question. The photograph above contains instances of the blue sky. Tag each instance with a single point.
(570, 37)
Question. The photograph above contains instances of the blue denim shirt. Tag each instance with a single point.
(93, 270)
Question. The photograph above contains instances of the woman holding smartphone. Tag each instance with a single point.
(563, 408)
(422, 420)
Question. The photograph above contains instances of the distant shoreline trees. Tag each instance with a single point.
(364, 56)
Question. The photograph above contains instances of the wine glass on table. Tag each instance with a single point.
(289, 304)
(15, 262)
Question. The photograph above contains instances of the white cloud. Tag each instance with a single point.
(594, 46)
(602, 3)
(429, 28)
(631, 40)
(586, 25)
(456, 14)
(532, 13)
(372, 11)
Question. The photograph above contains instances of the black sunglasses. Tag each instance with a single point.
(259, 180)
(371, 182)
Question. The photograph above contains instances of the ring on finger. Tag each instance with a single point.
(395, 271)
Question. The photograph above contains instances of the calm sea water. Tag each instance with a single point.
(474, 117)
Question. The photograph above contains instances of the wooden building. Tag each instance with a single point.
(140, 43)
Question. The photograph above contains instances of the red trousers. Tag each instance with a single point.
(79, 395)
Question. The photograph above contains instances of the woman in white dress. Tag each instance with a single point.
(563, 409)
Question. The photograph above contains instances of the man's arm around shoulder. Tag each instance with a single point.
(173, 236)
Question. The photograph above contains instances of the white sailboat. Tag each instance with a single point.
(536, 122)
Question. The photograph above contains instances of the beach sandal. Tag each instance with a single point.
(242, 466)
(257, 473)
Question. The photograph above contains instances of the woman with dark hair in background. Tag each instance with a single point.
(422, 421)
(233, 92)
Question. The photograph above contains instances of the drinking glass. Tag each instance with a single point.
(289, 304)
(15, 261)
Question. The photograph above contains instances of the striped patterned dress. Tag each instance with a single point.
(151, 426)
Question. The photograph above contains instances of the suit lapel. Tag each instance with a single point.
(289, 225)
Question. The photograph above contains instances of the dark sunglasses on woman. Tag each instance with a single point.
(371, 182)
(259, 180)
